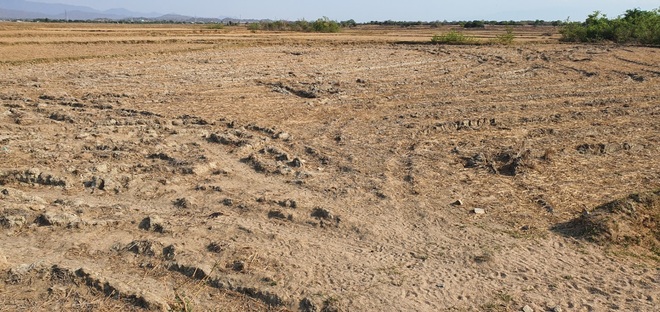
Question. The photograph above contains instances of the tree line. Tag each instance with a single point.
(635, 26)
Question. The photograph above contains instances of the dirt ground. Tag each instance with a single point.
(188, 169)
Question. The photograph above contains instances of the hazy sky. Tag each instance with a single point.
(368, 10)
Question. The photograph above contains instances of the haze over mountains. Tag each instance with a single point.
(21, 9)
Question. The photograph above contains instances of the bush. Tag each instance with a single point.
(325, 25)
(216, 26)
(349, 23)
(254, 26)
(507, 37)
(474, 24)
(452, 37)
(300, 25)
(274, 26)
(636, 26)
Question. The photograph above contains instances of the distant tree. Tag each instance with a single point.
(325, 25)
(349, 23)
(474, 24)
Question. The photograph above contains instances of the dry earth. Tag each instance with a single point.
(176, 167)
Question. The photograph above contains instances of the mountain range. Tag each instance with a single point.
(21, 9)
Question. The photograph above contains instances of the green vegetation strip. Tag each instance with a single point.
(635, 26)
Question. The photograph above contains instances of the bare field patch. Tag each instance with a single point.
(186, 168)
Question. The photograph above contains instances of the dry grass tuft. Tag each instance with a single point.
(630, 221)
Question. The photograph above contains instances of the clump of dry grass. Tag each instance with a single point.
(630, 221)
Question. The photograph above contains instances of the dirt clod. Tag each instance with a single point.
(276, 214)
(58, 219)
(152, 223)
(307, 305)
(142, 247)
(12, 221)
(238, 266)
(321, 213)
(182, 203)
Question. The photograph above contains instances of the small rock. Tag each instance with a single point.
(479, 211)
(102, 168)
(227, 202)
(283, 136)
(557, 309)
(458, 203)
(527, 309)
(5, 192)
(201, 169)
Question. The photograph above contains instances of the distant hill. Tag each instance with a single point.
(176, 18)
(49, 9)
(21, 9)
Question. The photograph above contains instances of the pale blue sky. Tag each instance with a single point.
(368, 10)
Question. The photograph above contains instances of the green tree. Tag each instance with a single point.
(325, 25)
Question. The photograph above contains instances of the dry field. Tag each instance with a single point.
(188, 169)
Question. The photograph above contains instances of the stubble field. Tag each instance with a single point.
(184, 168)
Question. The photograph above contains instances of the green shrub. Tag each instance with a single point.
(635, 26)
(573, 32)
(452, 37)
(300, 25)
(349, 23)
(216, 26)
(274, 26)
(325, 25)
(474, 24)
(506, 38)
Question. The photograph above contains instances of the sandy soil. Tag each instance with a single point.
(228, 170)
